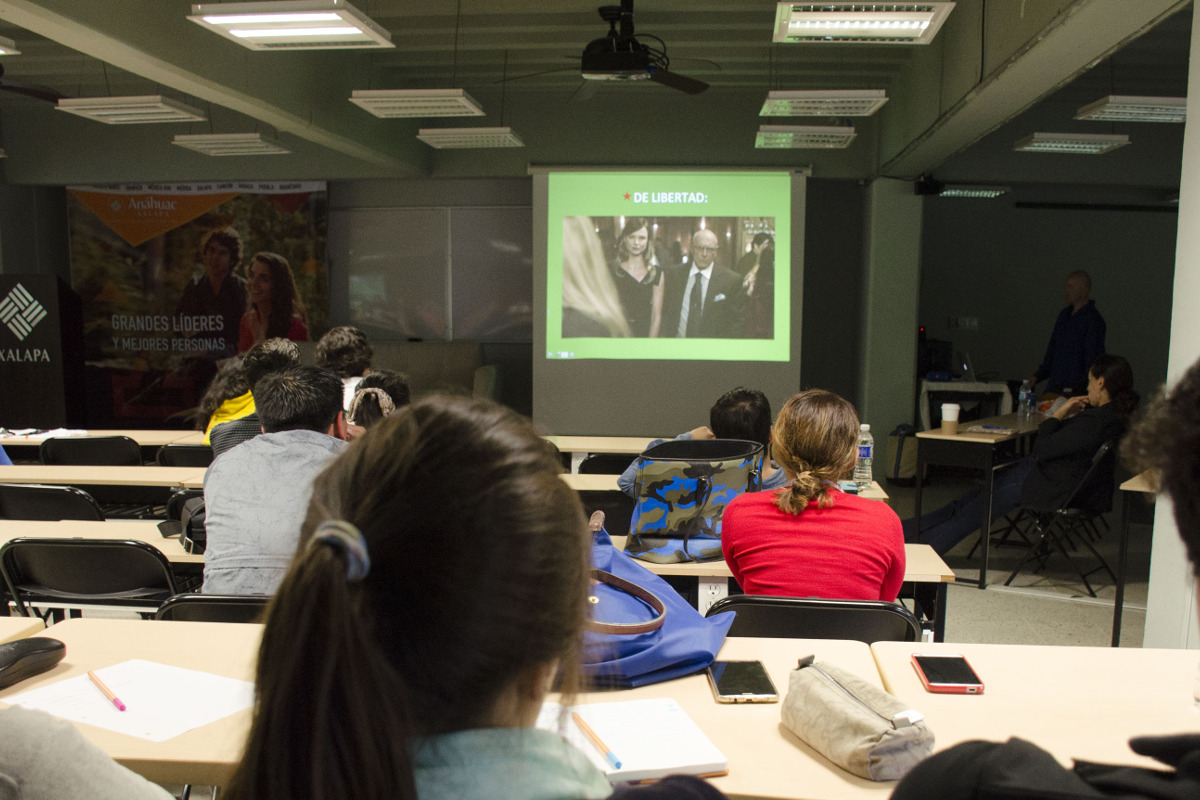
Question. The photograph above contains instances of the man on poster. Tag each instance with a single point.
(220, 291)
(703, 300)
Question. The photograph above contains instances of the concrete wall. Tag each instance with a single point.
(1005, 266)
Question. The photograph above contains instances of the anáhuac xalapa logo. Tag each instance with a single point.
(21, 312)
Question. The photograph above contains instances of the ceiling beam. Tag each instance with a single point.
(90, 40)
(1074, 41)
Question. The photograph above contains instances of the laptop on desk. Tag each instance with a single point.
(962, 360)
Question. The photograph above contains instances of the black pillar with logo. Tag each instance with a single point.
(41, 353)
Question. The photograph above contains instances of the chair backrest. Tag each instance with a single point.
(604, 464)
(867, 621)
(33, 501)
(78, 571)
(1093, 492)
(185, 455)
(91, 451)
(195, 607)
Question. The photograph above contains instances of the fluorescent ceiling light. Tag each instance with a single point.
(292, 25)
(804, 136)
(130, 110)
(857, 23)
(446, 138)
(1126, 108)
(389, 103)
(824, 103)
(1080, 143)
(971, 191)
(8, 47)
(230, 144)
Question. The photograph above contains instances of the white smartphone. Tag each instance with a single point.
(741, 682)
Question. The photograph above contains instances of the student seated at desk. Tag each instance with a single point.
(408, 650)
(810, 539)
(227, 398)
(1062, 453)
(255, 494)
(738, 414)
(377, 397)
(1167, 439)
(261, 360)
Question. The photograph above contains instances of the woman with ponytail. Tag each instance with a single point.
(407, 653)
(810, 539)
(1066, 442)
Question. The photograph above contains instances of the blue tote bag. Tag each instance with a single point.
(642, 631)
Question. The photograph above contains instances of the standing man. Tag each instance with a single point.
(703, 300)
(1076, 343)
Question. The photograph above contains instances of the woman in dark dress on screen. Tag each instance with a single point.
(639, 280)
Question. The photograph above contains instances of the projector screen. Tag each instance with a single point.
(664, 289)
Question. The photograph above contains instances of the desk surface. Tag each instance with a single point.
(111, 476)
(1076, 702)
(626, 445)
(145, 438)
(764, 759)
(1145, 482)
(136, 529)
(1003, 421)
(922, 565)
(13, 628)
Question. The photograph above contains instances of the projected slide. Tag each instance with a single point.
(668, 265)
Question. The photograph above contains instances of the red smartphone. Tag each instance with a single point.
(946, 674)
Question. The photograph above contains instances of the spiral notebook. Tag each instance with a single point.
(651, 738)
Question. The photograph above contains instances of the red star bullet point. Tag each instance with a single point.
(627, 195)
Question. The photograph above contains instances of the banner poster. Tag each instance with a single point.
(175, 278)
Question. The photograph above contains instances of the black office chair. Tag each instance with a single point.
(70, 572)
(107, 451)
(195, 607)
(763, 616)
(184, 455)
(604, 464)
(1057, 529)
(34, 501)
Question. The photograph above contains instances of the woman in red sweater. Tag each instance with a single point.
(810, 539)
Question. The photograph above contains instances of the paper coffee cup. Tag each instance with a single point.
(950, 418)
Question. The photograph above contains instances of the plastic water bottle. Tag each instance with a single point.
(1025, 403)
(866, 449)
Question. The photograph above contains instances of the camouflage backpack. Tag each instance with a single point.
(682, 489)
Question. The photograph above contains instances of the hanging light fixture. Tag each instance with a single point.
(230, 144)
(1129, 108)
(130, 110)
(859, 23)
(801, 137)
(292, 25)
(1090, 144)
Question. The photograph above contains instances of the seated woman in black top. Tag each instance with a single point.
(1065, 445)
(1167, 438)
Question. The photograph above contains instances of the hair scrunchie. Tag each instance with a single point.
(383, 398)
(344, 536)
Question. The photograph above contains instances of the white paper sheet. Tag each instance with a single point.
(161, 701)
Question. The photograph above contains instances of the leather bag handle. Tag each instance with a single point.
(641, 593)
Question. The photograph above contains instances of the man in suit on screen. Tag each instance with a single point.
(702, 300)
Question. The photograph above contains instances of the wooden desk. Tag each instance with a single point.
(978, 388)
(135, 529)
(922, 566)
(580, 447)
(976, 450)
(144, 438)
(764, 759)
(1076, 702)
(13, 628)
(109, 476)
(1143, 483)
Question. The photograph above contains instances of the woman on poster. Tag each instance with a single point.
(273, 307)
